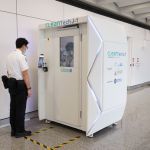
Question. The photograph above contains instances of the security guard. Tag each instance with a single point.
(19, 87)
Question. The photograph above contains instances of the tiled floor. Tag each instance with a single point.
(132, 133)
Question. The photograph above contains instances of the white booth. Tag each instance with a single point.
(82, 73)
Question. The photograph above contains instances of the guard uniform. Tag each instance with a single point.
(16, 63)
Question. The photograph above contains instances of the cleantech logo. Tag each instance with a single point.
(115, 54)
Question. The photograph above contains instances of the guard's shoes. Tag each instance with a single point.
(12, 133)
(23, 134)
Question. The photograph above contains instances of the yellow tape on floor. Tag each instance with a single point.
(51, 148)
(41, 130)
(45, 146)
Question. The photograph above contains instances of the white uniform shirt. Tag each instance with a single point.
(16, 63)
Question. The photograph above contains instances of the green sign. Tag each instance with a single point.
(66, 70)
(62, 23)
(115, 54)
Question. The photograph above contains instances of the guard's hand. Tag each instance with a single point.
(29, 93)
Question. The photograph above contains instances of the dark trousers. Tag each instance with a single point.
(18, 96)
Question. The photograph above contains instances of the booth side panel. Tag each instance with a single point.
(84, 67)
(49, 76)
(41, 80)
(45, 79)
(94, 76)
(114, 87)
(109, 98)
(115, 75)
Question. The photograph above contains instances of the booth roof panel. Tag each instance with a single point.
(109, 30)
(65, 22)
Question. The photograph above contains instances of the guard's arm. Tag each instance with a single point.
(26, 79)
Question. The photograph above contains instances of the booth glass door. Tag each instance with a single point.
(67, 78)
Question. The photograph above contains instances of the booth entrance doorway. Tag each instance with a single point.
(67, 76)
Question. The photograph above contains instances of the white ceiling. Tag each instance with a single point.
(136, 9)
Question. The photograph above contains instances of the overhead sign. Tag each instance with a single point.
(62, 23)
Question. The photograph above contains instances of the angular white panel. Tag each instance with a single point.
(94, 49)
(7, 44)
(95, 80)
(8, 5)
(44, 9)
(110, 34)
(28, 28)
(94, 72)
(95, 66)
(93, 112)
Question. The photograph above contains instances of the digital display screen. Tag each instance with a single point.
(41, 61)
(67, 51)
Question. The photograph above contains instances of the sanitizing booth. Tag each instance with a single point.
(82, 75)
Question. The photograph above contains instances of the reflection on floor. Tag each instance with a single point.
(132, 133)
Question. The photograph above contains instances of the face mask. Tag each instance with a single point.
(24, 52)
